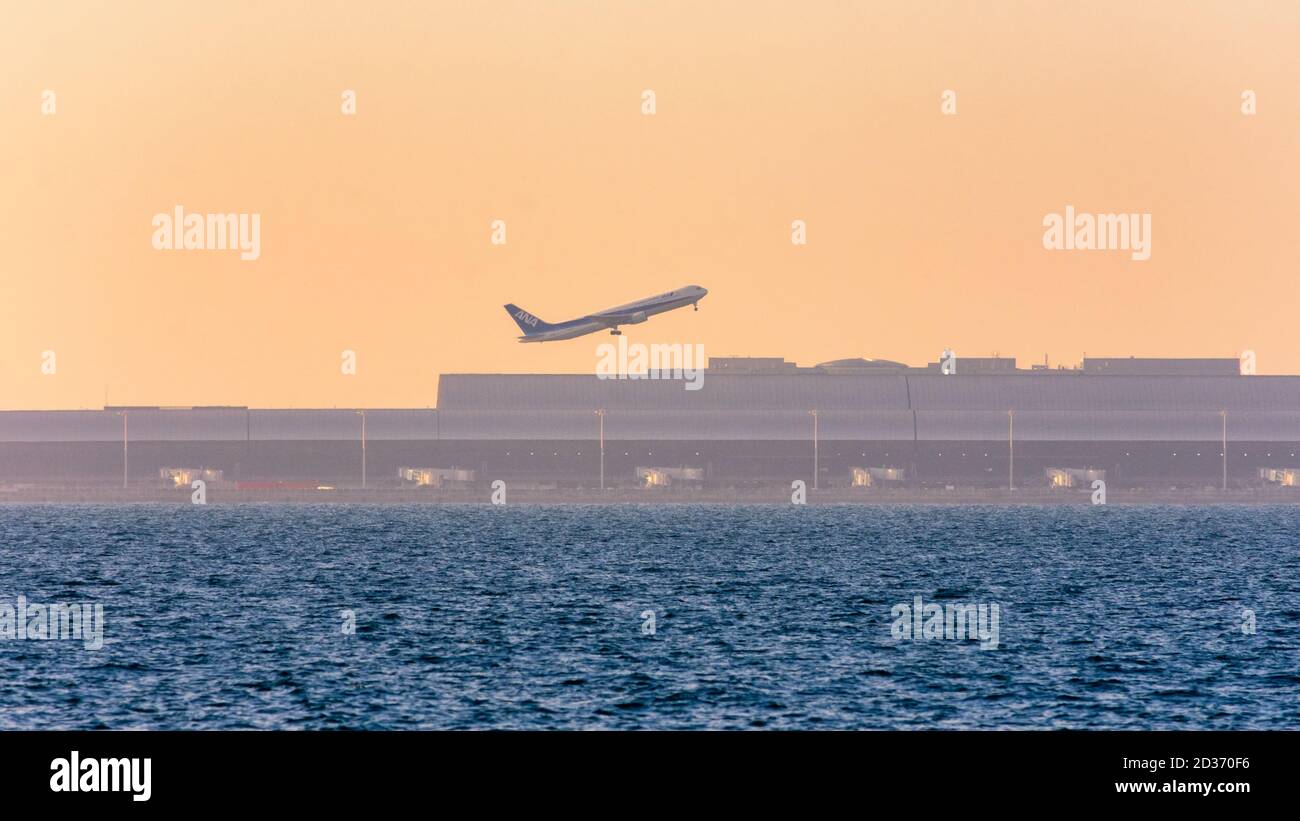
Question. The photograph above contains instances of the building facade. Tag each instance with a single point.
(752, 422)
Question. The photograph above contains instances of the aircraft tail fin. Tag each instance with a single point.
(528, 323)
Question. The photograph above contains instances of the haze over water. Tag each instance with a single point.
(533, 617)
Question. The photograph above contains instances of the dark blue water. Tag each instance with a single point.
(530, 617)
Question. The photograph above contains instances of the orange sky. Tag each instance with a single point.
(924, 230)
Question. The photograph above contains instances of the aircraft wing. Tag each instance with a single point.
(613, 320)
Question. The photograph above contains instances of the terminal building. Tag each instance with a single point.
(1139, 422)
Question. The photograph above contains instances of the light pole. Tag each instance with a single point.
(601, 413)
(1224, 414)
(363, 448)
(816, 471)
(125, 453)
(1011, 450)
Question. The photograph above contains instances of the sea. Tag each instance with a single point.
(659, 617)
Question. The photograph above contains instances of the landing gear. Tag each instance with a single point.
(616, 332)
(695, 305)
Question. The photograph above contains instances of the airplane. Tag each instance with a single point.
(633, 313)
